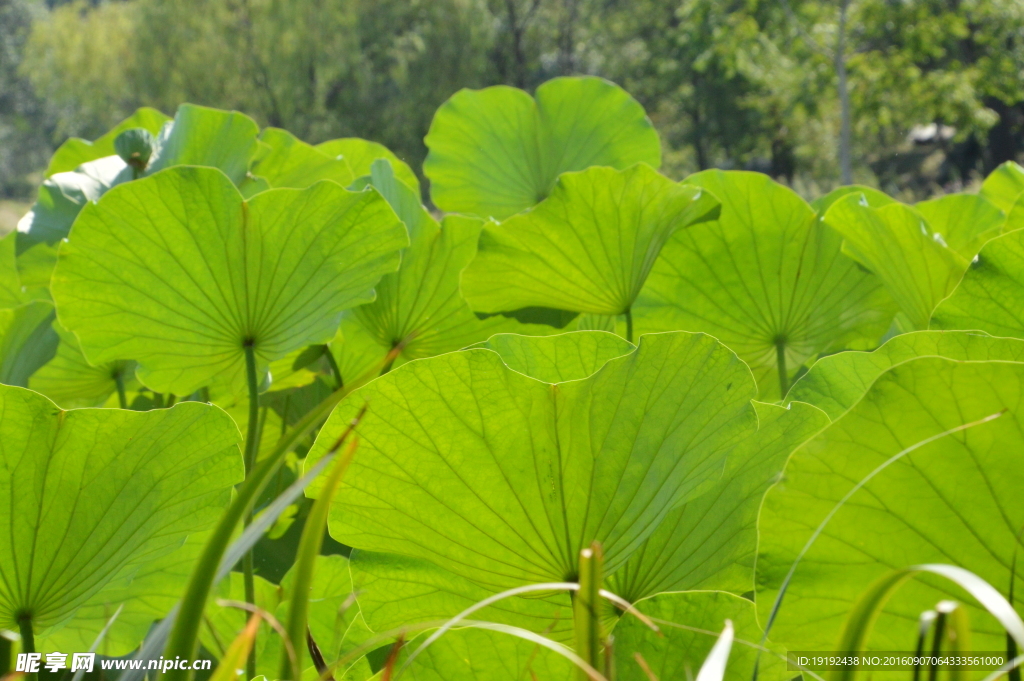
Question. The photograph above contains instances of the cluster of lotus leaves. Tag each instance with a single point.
(572, 348)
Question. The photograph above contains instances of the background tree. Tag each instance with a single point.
(752, 84)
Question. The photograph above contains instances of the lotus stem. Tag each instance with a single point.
(629, 324)
(122, 398)
(780, 356)
(335, 369)
(28, 640)
(251, 447)
(586, 610)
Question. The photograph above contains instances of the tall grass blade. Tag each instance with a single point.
(957, 634)
(310, 543)
(715, 663)
(153, 645)
(1011, 645)
(99, 639)
(217, 559)
(924, 625)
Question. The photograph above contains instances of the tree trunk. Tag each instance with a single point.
(518, 56)
(567, 38)
(845, 133)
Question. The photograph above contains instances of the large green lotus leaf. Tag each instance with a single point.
(990, 297)
(1004, 185)
(420, 306)
(27, 341)
(915, 264)
(588, 247)
(89, 492)
(875, 198)
(710, 542)
(11, 291)
(179, 273)
(145, 594)
(964, 221)
(835, 383)
(76, 151)
(201, 136)
(678, 653)
(290, 162)
(766, 275)
(503, 479)
(395, 591)
(69, 380)
(360, 155)
(953, 501)
(564, 357)
(496, 151)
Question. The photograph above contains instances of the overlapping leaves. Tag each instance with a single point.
(991, 295)
(588, 247)
(767, 278)
(895, 243)
(419, 308)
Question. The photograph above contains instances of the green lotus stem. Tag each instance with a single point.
(335, 369)
(780, 356)
(252, 439)
(389, 361)
(629, 324)
(309, 548)
(122, 398)
(586, 610)
(28, 640)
